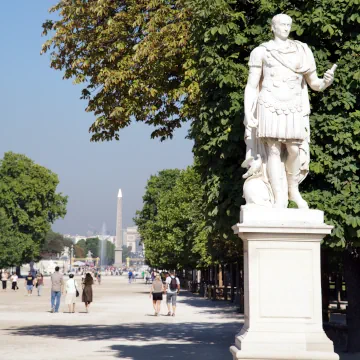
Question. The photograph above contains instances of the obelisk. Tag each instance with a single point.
(119, 232)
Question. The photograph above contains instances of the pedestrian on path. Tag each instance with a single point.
(130, 275)
(14, 279)
(71, 288)
(157, 289)
(57, 288)
(172, 289)
(29, 283)
(4, 279)
(39, 284)
(87, 295)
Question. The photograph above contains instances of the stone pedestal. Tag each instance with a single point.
(118, 258)
(283, 311)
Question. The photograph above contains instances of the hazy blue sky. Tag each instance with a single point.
(44, 118)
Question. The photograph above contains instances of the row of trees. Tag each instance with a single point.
(165, 62)
(29, 204)
(172, 221)
(83, 246)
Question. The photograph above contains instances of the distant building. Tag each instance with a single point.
(132, 239)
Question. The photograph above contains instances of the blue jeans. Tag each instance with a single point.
(55, 300)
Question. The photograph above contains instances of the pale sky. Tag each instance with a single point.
(43, 117)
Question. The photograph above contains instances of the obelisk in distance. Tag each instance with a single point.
(119, 232)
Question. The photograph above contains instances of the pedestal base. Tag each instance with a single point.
(283, 311)
(118, 258)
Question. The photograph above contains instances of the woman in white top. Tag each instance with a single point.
(70, 288)
(14, 280)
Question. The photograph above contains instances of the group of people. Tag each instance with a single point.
(169, 286)
(30, 282)
(71, 288)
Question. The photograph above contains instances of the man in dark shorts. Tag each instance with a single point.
(29, 283)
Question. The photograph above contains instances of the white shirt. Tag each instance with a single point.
(70, 286)
(168, 281)
(14, 278)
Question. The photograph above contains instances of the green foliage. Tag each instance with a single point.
(28, 205)
(54, 243)
(94, 245)
(126, 250)
(118, 49)
(223, 34)
(174, 234)
(79, 251)
(14, 246)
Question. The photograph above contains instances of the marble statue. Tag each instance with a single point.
(65, 253)
(89, 255)
(277, 108)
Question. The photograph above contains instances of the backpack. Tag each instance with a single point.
(173, 284)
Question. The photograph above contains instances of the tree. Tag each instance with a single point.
(93, 245)
(28, 204)
(224, 33)
(118, 49)
(147, 218)
(176, 237)
(81, 244)
(55, 243)
(126, 250)
(79, 251)
(13, 245)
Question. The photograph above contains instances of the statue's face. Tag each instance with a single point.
(282, 27)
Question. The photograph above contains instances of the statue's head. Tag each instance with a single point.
(281, 26)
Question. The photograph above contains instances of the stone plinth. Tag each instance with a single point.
(118, 258)
(283, 310)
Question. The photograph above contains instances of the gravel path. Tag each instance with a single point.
(121, 325)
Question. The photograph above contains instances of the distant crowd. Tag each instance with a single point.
(162, 283)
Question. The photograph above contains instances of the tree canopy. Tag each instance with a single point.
(54, 243)
(118, 49)
(28, 205)
(94, 245)
(172, 221)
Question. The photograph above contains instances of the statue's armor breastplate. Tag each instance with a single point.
(281, 87)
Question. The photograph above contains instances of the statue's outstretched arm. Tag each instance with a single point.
(318, 84)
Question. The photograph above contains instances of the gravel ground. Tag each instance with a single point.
(121, 325)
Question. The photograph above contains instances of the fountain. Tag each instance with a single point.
(103, 241)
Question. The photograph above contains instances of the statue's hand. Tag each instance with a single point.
(329, 77)
(251, 121)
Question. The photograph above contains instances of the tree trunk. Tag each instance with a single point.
(352, 280)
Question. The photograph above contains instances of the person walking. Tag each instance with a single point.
(14, 279)
(39, 284)
(4, 279)
(29, 283)
(71, 289)
(157, 289)
(87, 294)
(130, 275)
(57, 288)
(172, 289)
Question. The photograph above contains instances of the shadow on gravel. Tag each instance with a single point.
(198, 333)
(173, 351)
(206, 306)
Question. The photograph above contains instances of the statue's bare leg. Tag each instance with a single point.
(274, 170)
(293, 174)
